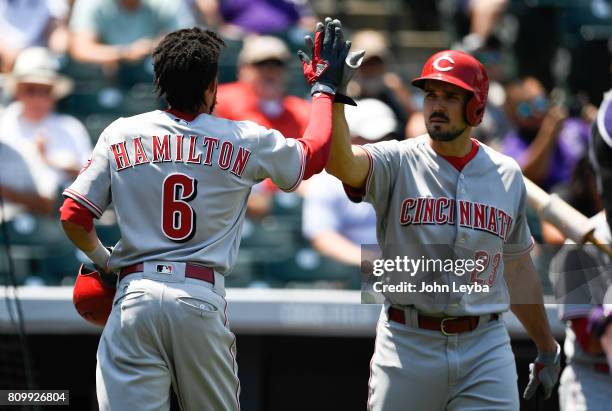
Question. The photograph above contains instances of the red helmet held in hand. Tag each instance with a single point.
(462, 70)
(93, 295)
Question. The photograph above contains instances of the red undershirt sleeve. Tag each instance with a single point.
(316, 141)
(77, 214)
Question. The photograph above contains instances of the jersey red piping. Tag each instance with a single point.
(521, 252)
(370, 171)
(302, 168)
(83, 201)
(357, 194)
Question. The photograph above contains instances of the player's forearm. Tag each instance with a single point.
(89, 243)
(527, 303)
(534, 319)
(338, 247)
(83, 239)
(316, 141)
(345, 161)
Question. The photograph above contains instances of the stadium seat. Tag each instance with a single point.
(306, 265)
(39, 248)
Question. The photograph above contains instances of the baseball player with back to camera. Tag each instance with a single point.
(582, 276)
(447, 188)
(179, 181)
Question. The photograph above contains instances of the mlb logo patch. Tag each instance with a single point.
(164, 269)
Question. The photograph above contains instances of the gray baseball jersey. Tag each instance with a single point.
(581, 275)
(422, 200)
(182, 182)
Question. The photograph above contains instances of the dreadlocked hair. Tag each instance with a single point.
(185, 64)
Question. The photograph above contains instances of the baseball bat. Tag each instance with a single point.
(571, 222)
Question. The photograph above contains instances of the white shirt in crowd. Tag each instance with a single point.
(327, 208)
(20, 170)
(66, 140)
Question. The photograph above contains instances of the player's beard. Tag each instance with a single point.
(436, 134)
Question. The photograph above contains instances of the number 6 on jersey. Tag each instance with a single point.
(178, 218)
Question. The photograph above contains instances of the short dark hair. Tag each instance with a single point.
(186, 63)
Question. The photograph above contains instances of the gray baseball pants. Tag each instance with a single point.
(165, 331)
(417, 369)
(582, 388)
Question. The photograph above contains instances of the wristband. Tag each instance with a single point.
(549, 357)
(322, 88)
(99, 256)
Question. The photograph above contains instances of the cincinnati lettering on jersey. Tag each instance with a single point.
(181, 149)
(442, 210)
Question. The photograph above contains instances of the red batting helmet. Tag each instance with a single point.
(93, 295)
(461, 69)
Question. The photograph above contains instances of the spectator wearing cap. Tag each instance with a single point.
(26, 24)
(374, 80)
(336, 226)
(60, 139)
(110, 32)
(260, 94)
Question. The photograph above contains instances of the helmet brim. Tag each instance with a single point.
(420, 81)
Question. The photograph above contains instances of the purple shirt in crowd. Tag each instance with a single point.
(572, 145)
(261, 16)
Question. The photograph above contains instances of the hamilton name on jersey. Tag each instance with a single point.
(181, 149)
(442, 210)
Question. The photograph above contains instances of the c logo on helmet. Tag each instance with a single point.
(436, 63)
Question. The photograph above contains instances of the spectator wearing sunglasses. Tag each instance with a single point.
(545, 142)
(61, 140)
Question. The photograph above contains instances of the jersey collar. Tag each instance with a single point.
(180, 114)
(460, 162)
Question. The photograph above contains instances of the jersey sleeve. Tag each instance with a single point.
(519, 241)
(92, 187)
(279, 158)
(384, 165)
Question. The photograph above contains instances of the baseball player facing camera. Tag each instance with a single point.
(446, 188)
(179, 180)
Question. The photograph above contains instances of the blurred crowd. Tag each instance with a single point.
(70, 67)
